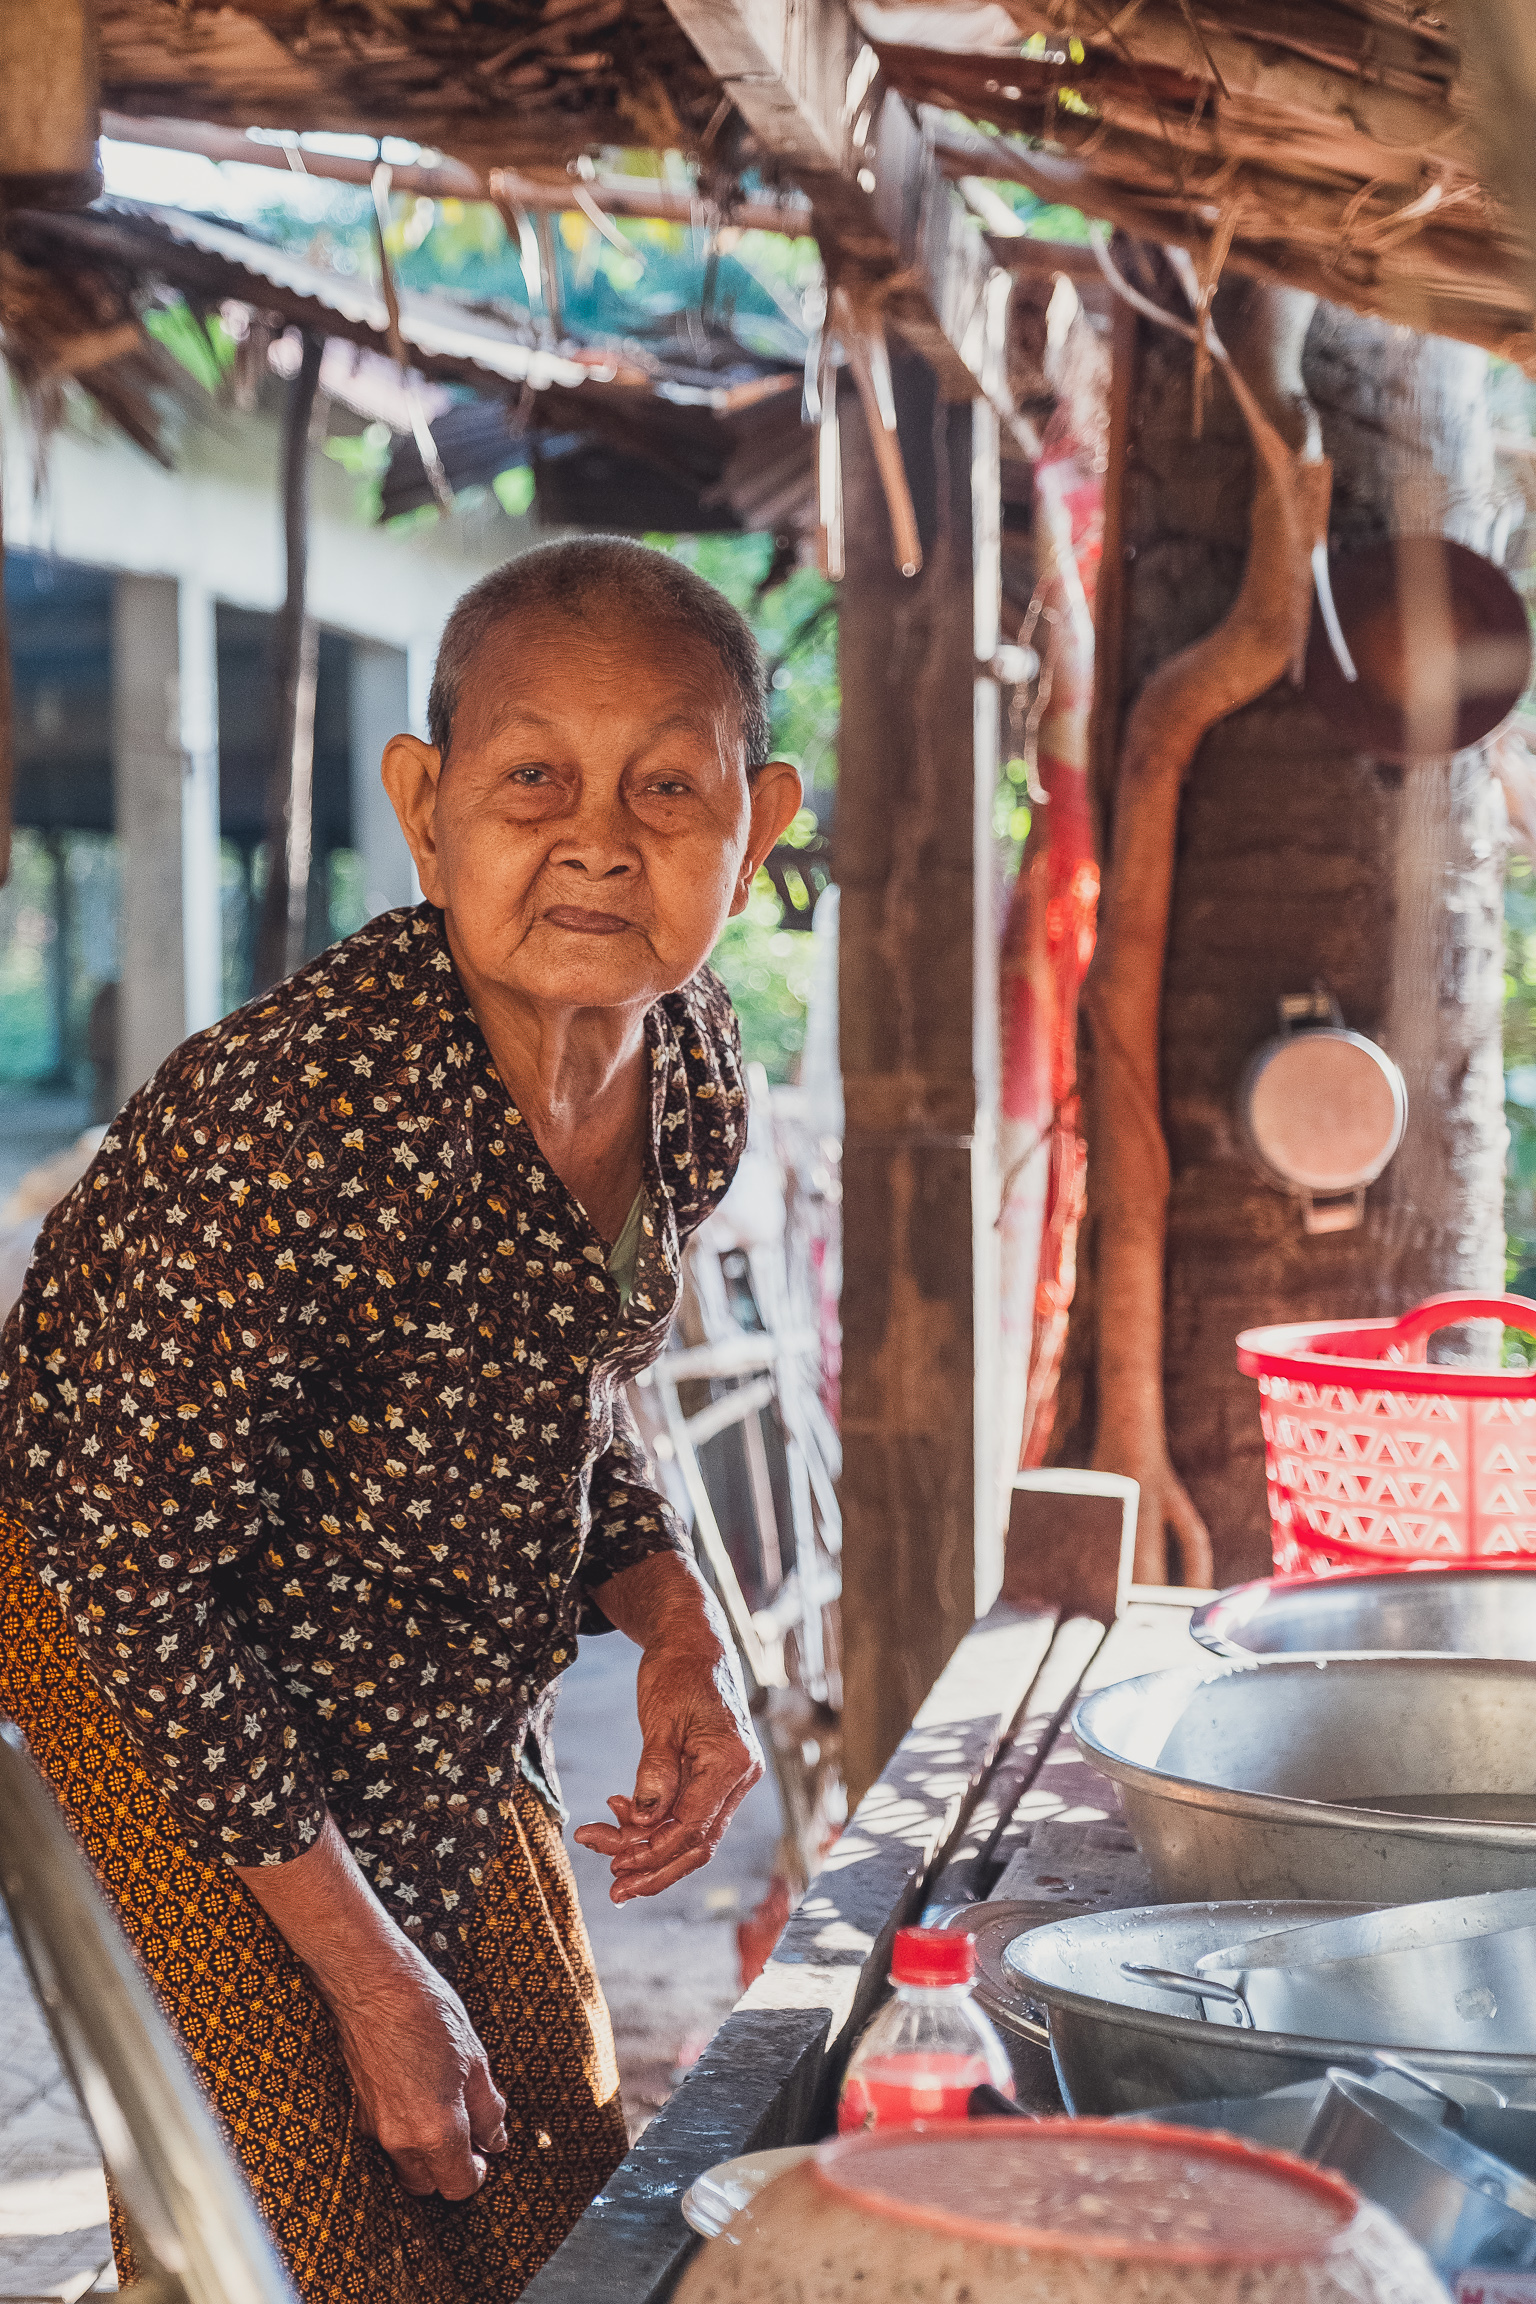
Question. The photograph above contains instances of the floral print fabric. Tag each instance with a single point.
(311, 1406)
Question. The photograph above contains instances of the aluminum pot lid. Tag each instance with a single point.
(1324, 1110)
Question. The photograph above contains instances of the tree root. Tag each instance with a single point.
(1249, 650)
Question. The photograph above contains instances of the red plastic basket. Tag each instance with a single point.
(1377, 1460)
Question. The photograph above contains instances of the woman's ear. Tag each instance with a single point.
(775, 793)
(411, 771)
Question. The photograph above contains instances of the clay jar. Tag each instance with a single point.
(1057, 2212)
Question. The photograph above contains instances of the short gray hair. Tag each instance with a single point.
(573, 578)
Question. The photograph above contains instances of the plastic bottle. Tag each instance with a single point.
(922, 2055)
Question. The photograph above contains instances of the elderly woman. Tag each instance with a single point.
(317, 1461)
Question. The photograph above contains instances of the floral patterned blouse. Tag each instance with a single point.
(312, 1407)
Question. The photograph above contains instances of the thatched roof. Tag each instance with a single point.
(1325, 147)
(491, 81)
(1326, 143)
(703, 438)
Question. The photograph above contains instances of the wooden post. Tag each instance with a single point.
(290, 784)
(918, 1027)
(49, 90)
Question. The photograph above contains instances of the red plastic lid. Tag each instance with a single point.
(1144, 2193)
(933, 1956)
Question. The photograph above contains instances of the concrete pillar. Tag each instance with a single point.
(379, 706)
(165, 769)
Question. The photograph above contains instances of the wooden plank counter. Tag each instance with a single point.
(986, 1796)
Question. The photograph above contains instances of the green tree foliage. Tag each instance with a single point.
(1520, 1074)
(766, 966)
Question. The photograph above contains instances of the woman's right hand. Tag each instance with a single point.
(424, 2089)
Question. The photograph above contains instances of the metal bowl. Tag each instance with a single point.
(1440, 1612)
(1120, 2044)
(1398, 1778)
(1463, 2206)
(1282, 2118)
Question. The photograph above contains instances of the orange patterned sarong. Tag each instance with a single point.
(262, 2041)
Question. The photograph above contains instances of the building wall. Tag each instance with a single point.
(191, 554)
(216, 520)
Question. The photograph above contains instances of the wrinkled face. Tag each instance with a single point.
(592, 826)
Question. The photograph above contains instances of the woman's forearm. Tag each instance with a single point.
(424, 2089)
(327, 1914)
(664, 1602)
(700, 1757)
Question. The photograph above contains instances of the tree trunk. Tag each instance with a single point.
(1298, 861)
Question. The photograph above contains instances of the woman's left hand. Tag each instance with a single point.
(701, 1755)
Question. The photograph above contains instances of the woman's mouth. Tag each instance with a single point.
(584, 923)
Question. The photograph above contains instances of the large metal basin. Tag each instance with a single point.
(1441, 1612)
(1390, 1779)
(1120, 2044)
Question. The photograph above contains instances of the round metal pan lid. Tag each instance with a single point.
(1324, 1110)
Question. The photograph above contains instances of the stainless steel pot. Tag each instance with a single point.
(1397, 1778)
(1120, 2044)
(1283, 2117)
(1460, 1973)
(1279, 2120)
(1466, 2209)
(1442, 1612)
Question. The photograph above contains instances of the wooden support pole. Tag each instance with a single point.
(918, 1024)
(892, 230)
(290, 783)
(48, 104)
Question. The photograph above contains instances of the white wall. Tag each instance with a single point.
(217, 521)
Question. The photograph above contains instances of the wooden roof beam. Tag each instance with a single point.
(556, 190)
(893, 231)
(1489, 310)
(1392, 81)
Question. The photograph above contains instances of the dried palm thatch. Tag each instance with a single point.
(1322, 147)
(496, 82)
(78, 323)
(1329, 145)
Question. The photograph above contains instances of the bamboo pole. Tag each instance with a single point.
(640, 196)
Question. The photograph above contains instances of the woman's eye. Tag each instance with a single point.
(530, 776)
(670, 787)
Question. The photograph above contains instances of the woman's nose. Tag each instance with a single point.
(596, 842)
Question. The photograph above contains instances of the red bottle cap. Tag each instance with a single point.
(933, 1957)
